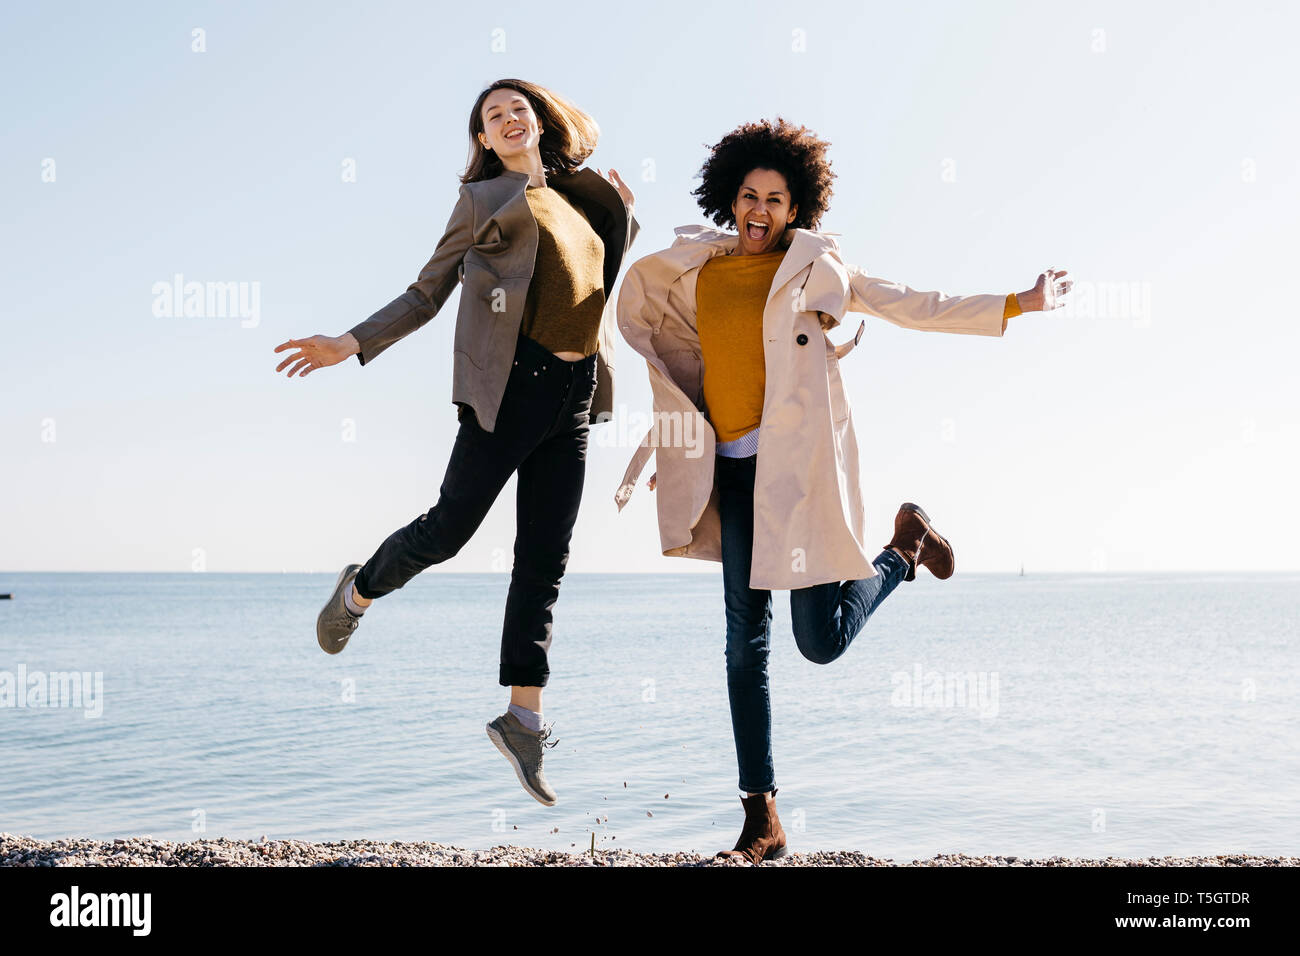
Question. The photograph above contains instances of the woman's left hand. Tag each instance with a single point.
(1047, 293)
(617, 182)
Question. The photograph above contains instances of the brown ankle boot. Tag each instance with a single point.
(761, 838)
(920, 543)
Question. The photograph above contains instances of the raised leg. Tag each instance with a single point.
(827, 617)
(480, 465)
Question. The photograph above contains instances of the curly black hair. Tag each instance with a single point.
(793, 151)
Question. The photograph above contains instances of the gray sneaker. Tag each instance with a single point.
(523, 748)
(335, 623)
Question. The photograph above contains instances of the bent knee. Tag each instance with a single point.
(438, 539)
(819, 656)
(818, 648)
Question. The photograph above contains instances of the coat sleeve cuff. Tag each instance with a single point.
(1012, 308)
(399, 318)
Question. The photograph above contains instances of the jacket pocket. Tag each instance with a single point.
(476, 320)
(839, 401)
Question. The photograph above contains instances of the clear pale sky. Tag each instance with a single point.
(1149, 147)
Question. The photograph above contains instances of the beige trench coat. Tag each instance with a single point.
(809, 526)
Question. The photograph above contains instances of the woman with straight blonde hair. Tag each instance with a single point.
(537, 241)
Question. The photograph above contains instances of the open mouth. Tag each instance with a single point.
(515, 134)
(757, 231)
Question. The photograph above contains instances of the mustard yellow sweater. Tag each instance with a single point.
(566, 296)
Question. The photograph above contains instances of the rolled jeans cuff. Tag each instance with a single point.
(521, 677)
(886, 562)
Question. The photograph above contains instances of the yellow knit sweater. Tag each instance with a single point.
(566, 296)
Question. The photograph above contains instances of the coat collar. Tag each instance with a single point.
(608, 215)
(654, 275)
(696, 244)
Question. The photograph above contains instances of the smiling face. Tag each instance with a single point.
(510, 126)
(763, 211)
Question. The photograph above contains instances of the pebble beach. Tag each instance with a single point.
(145, 851)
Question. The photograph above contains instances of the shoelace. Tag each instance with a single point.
(545, 735)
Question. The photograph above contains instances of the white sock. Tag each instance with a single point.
(351, 605)
(532, 719)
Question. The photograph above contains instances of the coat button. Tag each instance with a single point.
(802, 339)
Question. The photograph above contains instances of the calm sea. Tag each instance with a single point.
(1093, 715)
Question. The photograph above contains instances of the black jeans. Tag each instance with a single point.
(541, 433)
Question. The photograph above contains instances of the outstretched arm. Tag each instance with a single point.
(931, 311)
(425, 296)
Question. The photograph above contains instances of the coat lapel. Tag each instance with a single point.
(651, 279)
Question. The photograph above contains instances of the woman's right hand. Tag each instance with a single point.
(317, 352)
(616, 181)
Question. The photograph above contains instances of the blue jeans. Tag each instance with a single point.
(825, 619)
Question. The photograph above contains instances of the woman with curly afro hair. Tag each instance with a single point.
(791, 151)
(757, 460)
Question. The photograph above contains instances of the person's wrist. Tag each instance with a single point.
(350, 343)
(1030, 301)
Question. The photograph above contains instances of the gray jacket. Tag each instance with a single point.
(490, 246)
